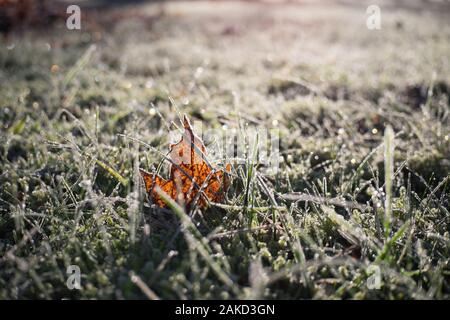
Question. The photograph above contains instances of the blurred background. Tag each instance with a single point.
(16, 13)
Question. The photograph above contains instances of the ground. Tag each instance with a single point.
(82, 110)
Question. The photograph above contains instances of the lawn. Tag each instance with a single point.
(358, 207)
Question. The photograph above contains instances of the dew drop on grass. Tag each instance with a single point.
(198, 72)
(54, 68)
(149, 84)
(147, 229)
(127, 85)
(85, 183)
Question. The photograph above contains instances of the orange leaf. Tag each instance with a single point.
(192, 179)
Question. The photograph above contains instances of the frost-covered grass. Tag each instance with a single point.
(69, 149)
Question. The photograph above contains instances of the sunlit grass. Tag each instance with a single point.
(344, 199)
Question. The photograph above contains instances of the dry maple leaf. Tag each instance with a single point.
(192, 179)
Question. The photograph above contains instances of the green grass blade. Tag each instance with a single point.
(388, 176)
